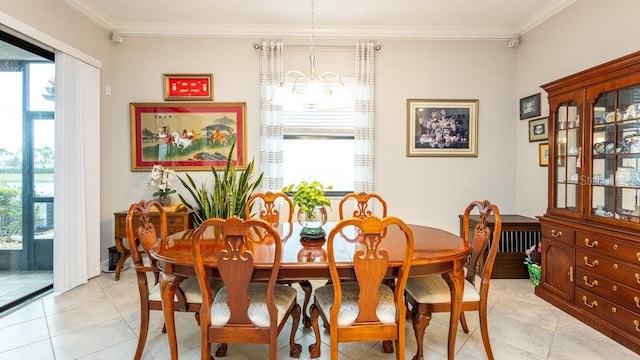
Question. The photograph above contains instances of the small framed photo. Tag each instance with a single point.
(442, 127)
(543, 154)
(530, 106)
(190, 87)
(539, 129)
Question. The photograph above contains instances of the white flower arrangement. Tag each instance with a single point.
(160, 179)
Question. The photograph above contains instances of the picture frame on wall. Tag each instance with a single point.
(539, 129)
(530, 106)
(187, 136)
(543, 154)
(442, 127)
(188, 87)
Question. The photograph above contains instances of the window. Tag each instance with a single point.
(319, 145)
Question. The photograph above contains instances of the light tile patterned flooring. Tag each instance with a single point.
(100, 320)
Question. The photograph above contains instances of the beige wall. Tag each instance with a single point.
(587, 33)
(421, 190)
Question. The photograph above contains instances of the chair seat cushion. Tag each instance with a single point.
(284, 296)
(386, 310)
(190, 288)
(432, 289)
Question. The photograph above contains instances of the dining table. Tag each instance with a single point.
(436, 251)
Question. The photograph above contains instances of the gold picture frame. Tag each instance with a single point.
(438, 127)
(543, 154)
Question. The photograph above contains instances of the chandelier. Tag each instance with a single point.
(317, 91)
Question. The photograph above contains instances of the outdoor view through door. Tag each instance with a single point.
(27, 91)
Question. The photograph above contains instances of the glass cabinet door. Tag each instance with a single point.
(567, 156)
(615, 180)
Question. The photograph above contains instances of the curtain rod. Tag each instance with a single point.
(306, 47)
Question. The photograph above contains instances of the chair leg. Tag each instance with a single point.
(314, 349)
(144, 330)
(308, 289)
(420, 323)
(295, 349)
(221, 351)
(484, 330)
(463, 323)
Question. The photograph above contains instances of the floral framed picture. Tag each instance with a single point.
(543, 154)
(188, 87)
(442, 127)
(530, 106)
(187, 136)
(539, 129)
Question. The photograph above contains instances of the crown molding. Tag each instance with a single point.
(542, 16)
(378, 32)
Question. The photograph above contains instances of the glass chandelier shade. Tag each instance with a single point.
(311, 92)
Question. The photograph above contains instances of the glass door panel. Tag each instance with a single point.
(567, 153)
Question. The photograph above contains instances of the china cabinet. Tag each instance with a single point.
(591, 230)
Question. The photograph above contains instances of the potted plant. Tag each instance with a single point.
(227, 197)
(310, 199)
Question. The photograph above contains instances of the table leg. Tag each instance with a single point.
(168, 285)
(125, 254)
(455, 280)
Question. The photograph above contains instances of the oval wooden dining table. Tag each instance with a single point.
(435, 251)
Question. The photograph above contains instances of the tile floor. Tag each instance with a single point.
(100, 320)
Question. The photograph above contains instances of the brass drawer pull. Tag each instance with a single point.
(637, 324)
(593, 304)
(592, 264)
(638, 256)
(570, 273)
(613, 310)
(637, 300)
(590, 245)
(592, 284)
(638, 278)
(559, 234)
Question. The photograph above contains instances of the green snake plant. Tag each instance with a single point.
(227, 196)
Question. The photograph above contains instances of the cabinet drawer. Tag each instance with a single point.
(628, 321)
(558, 233)
(598, 264)
(612, 290)
(610, 246)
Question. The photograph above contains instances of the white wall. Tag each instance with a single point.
(587, 33)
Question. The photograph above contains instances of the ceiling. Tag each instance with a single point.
(431, 19)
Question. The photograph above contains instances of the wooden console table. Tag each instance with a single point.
(518, 234)
(176, 221)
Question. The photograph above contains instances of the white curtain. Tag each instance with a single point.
(76, 251)
(271, 129)
(365, 110)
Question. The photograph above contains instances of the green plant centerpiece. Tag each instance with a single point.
(310, 199)
(228, 194)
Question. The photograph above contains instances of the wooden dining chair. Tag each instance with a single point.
(242, 311)
(142, 231)
(276, 208)
(365, 204)
(428, 294)
(365, 309)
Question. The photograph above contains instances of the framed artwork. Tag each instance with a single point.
(543, 154)
(539, 129)
(530, 106)
(442, 127)
(187, 136)
(188, 87)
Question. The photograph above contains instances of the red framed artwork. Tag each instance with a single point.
(188, 87)
(187, 136)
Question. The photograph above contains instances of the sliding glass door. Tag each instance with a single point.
(27, 91)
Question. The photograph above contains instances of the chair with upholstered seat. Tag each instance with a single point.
(428, 294)
(188, 297)
(243, 311)
(365, 309)
(277, 208)
(365, 204)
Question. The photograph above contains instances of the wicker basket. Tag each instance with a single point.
(535, 273)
